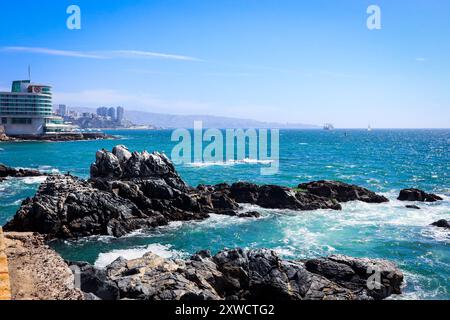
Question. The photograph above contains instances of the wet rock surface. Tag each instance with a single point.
(135, 190)
(442, 224)
(242, 275)
(417, 195)
(342, 192)
(6, 172)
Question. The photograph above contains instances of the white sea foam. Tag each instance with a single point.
(164, 251)
(17, 202)
(229, 162)
(33, 180)
(435, 233)
(48, 169)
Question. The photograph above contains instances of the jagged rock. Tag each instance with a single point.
(244, 274)
(68, 207)
(412, 207)
(353, 273)
(442, 224)
(342, 192)
(245, 192)
(18, 173)
(123, 165)
(94, 282)
(122, 153)
(277, 197)
(417, 195)
(249, 214)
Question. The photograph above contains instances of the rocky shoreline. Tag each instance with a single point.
(128, 191)
(239, 274)
(36, 271)
(8, 172)
(58, 138)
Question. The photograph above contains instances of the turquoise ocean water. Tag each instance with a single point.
(384, 161)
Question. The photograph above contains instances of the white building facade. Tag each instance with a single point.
(27, 111)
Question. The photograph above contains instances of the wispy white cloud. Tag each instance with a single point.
(52, 52)
(107, 54)
(148, 54)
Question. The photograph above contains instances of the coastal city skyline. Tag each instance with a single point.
(291, 62)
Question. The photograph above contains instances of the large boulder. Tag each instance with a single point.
(68, 207)
(276, 197)
(379, 278)
(341, 192)
(121, 164)
(442, 224)
(239, 274)
(417, 195)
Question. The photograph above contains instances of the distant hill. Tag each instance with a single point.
(187, 121)
(162, 120)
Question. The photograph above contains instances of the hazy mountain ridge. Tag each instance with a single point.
(187, 121)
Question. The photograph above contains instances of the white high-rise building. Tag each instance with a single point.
(120, 114)
(27, 111)
(62, 110)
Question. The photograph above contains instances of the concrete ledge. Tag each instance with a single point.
(5, 287)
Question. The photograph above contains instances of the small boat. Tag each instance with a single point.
(328, 126)
(369, 128)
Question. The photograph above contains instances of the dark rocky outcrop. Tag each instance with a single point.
(249, 214)
(380, 277)
(442, 224)
(121, 164)
(57, 138)
(132, 190)
(127, 191)
(417, 195)
(273, 197)
(342, 192)
(412, 207)
(242, 275)
(6, 172)
(67, 207)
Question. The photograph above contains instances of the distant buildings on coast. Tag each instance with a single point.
(28, 111)
(114, 114)
(104, 117)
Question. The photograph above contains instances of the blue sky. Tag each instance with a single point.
(288, 61)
